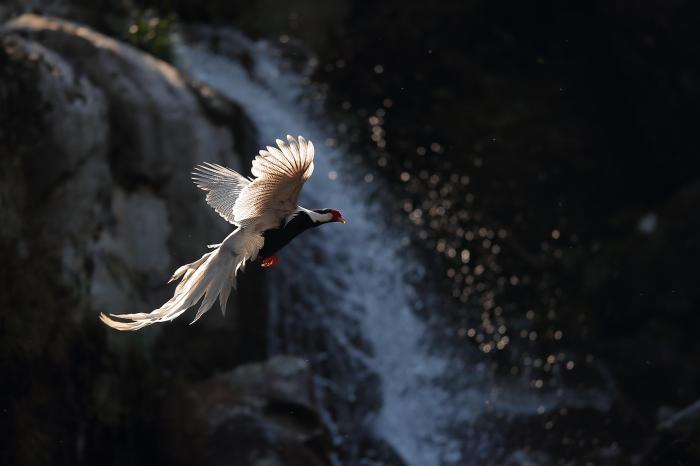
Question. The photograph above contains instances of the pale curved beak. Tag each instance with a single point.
(342, 220)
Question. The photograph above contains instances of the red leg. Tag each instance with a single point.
(269, 262)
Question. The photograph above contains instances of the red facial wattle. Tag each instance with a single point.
(337, 216)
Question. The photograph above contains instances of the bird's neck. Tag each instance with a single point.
(314, 216)
(277, 238)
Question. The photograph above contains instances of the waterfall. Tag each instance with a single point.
(346, 296)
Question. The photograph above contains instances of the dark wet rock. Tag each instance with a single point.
(104, 16)
(374, 450)
(123, 130)
(263, 414)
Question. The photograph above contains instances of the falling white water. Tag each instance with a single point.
(367, 282)
(357, 272)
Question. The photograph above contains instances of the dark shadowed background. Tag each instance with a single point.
(517, 283)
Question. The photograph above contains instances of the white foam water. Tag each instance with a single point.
(354, 276)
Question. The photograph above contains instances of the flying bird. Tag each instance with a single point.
(264, 209)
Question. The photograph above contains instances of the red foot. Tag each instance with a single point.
(269, 262)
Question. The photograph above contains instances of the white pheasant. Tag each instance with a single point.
(264, 210)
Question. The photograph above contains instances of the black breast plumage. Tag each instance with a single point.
(278, 238)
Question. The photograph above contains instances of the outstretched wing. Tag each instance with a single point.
(280, 174)
(223, 185)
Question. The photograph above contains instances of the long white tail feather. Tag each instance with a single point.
(186, 270)
(209, 277)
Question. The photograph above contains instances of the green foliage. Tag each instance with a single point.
(152, 32)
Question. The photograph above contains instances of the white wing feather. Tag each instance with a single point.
(280, 175)
(223, 185)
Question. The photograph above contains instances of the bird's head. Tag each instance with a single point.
(327, 215)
